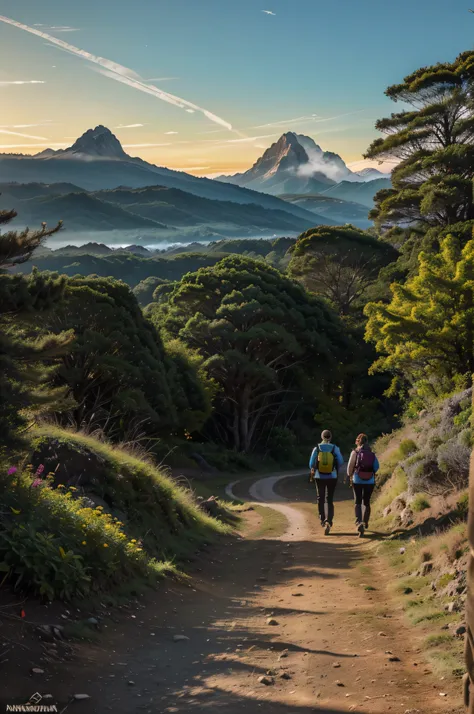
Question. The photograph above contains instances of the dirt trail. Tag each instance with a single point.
(326, 654)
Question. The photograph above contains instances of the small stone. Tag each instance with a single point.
(37, 670)
(296, 594)
(461, 630)
(92, 621)
(283, 655)
(402, 551)
(339, 684)
(408, 591)
(382, 634)
(336, 665)
(393, 658)
(267, 681)
(285, 675)
(271, 621)
(131, 683)
(81, 697)
(180, 638)
(443, 694)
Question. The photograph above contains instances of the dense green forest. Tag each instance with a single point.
(239, 352)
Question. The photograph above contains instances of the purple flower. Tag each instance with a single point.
(12, 470)
(37, 482)
(39, 470)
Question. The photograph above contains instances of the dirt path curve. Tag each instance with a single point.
(263, 491)
(294, 610)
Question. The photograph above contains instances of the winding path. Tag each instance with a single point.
(263, 491)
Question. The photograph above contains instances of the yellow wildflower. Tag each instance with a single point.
(106, 545)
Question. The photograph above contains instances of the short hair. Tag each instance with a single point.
(362, 439)
(326, 435)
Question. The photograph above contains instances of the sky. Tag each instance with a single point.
(205, 86)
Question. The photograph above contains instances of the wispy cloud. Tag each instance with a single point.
(33, 146)
(143, 146)
(189, 168)
(160, 79)
(57, 28)
(170, 133)
(23, 136)
(22, 81)
(129, 126)
(243, 140)
(119, 73)
(269, 12)
(47, 122)
(311, 118)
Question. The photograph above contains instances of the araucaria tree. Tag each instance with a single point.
(339, 263)
(24, 362)
(263, 339)
(432, 148)
(425, 335)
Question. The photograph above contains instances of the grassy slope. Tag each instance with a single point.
(424, 598)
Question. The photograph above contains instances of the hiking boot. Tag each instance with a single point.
(361, 530)
(327, 529)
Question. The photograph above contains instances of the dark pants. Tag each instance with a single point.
(362, 495)
(326, 488)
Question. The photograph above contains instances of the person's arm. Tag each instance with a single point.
(351, 466)
(312, 461)
(339, 457)
(376, 465)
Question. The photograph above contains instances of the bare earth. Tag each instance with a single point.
(329, 651)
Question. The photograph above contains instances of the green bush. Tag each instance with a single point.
(462, 506)
(407, 448)
(420, 503)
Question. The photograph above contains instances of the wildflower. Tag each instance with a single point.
(12, 470)
(39, 470)
(61, 485)
(36, 483)
(106, 545)
(133, 541)
(84, 542)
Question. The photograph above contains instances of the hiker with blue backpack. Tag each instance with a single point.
(325, 462)
(361, 469)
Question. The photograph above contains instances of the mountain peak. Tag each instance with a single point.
(98, 142)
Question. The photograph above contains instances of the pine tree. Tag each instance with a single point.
(425, 335)
(432, 147)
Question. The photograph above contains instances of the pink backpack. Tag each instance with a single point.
(364, 465)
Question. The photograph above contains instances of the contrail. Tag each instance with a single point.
(116, 71)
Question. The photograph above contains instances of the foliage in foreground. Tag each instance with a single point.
(55, 542)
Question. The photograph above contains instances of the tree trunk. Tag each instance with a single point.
(244, 419)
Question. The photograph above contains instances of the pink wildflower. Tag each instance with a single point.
(12, 470)
(39, 470)
(37, 482)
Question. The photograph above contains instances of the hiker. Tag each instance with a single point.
(325, 462)
(361, 469)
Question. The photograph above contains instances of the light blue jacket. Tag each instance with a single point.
(313, 462)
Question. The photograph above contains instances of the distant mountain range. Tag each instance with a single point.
(95, 186)
(296, 165)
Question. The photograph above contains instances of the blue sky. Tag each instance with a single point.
(330, 58)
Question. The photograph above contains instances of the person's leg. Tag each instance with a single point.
(321, 491)
(366, 496)
(358, 488)
(331, 488)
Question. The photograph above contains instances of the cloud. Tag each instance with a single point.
(313, 118)
(32, 146)
(119, 73)
(143, 146)
(169, 133)
(22, 81)
(46, 122)
(23, 136)
(161, 79)
(189, 168)
(129, 126)
(269, 12)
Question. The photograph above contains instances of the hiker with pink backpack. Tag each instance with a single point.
(361, 469)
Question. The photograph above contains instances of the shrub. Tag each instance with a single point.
(407, 448)
(462, 506)
(420, 503)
